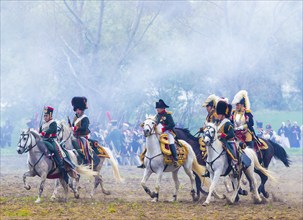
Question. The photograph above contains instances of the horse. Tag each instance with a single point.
(184, 134)
(217, 164)
(43, 166)
(265, 156)
(154, 161)
(65, 137)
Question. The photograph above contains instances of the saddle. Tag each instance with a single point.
(182, 151)
(98, 149)
(259, 144)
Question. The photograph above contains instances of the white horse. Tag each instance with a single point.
(41, 165)
(217, 165)
(65, 137)
(154, 161)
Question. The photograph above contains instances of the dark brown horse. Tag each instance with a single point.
(273, 150)
(184, 134)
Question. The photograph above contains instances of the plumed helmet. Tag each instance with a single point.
(223, 108)
(241, 98)
(211, 101)
(79, 103)
(48, 110)
(161, 104)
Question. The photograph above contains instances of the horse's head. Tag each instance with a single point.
(25, 141)
(210, 133)
(60, 131)
(149, 126)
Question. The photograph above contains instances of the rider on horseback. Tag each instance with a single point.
(80, 128)
(48, 131)
(210, 104)
(165, 118)
(242, 119)
(226, 133)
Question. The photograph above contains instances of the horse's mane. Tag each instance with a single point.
(35, 133)
(187, 132)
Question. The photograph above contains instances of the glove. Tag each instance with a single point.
(42, 133)
(163, 129)
(240, 128)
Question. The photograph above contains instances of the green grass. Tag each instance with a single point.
(275, 118)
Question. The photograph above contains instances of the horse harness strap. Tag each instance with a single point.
(211, 162)
(150, 159)
(34, 166)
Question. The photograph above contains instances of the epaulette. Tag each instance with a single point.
(168, 112)
(248, 111)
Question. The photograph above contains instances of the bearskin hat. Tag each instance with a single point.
(211, 101)
(223, 108)
(161, 104)
(242, 98)
(48, 110)
(79, 103)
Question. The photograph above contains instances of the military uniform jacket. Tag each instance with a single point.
(212, 117)
(166, 120)
(226, 129)
(49, 128)
(244, 118)
(80, 125)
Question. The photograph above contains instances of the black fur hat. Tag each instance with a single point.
(223, 108)
(161, 104)
(79, 103)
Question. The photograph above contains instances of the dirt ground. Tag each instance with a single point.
(129, 201)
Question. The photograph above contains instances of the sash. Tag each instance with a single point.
(79, 119)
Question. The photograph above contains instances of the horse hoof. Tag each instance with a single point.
(105, 192)
(266, 195)
(155, 200)
(196, 198)
(27, 187)
(38, 201)
(243, 192)
(53, 198)
(77, 196)
(205, 204)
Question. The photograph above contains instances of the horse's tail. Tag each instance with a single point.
(280, 153)
(85, 170)
(258, 166)
(114, 164)
(81, 169)
(196, 167)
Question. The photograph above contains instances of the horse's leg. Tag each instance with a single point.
(65, 187)
(226, 185)
(214, 180)
(177, 185)
(146, 175)
(29, 173)
(236, 183)
(74, 186)
(261, 188)
(251, 175)
(198, 187)
(106, 192)
(192, 180)
(43, 177)
(155, 195)
(53, 197)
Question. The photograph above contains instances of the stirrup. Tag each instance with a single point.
(206, 174)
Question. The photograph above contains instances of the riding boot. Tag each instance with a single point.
(231, 152)
(174, 153)
(250, 144)
(61, 167)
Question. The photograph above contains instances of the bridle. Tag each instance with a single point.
(152, 129)
(211, 138)
(29, 137)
